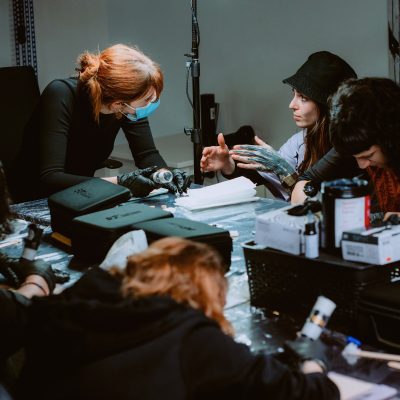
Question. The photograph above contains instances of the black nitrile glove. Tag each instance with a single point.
(17, 270)
(303, 349)
(180, 182)
(138, 182)
(302, 209)
(61, 276)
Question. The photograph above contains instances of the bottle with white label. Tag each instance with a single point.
(311, 240)
(318, 318)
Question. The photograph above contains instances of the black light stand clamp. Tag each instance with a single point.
(194, 65)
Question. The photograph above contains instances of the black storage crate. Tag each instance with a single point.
(379, 321)
(291, 284)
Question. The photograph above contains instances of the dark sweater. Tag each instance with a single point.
(63, 145)
(331, 166)
(90, 343)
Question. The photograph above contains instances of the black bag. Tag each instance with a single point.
(84, 198)
(379, 311)
(93, 234)
(193, 230)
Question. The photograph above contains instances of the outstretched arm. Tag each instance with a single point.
(298, 195)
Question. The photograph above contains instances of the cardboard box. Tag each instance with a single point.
(278, 230)
(374, 246)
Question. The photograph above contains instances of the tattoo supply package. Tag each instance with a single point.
(84, 198)
(281, 231)
(93, 234)
(218, 238)
(291, 284)
(379, 245)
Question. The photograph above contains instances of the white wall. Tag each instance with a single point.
(247, 48)
(64, 29)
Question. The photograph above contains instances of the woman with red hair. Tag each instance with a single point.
(74, 126)
(154, 330)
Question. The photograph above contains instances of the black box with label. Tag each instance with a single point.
(86, 197)
(198, 231)
(93, 234)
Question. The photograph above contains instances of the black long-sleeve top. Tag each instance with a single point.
(63, 144)
(331, 166)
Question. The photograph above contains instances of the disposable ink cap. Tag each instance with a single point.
(351, 339)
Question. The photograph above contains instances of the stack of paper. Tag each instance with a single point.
(238, 190)
(355, 389)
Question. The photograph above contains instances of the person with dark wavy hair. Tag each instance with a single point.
(155, 329)
(20, 281)
(365, 126)
(28, 278)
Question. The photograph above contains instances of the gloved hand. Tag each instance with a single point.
(16, 271)
(138, 182)
(302, 209)
(264, 158)
(180, 182)
(303, 349)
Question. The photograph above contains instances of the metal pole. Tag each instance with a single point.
(195, 72)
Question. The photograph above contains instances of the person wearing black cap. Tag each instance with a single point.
(312, 85)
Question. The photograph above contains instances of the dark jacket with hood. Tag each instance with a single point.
(91, 343)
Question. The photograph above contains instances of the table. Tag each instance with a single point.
(252, 326)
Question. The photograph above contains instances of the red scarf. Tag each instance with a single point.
(387, 188)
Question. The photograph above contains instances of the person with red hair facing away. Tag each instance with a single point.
(155, 329)
(73, 128)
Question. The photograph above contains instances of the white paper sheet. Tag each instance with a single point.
(355, 389)
(238, 190)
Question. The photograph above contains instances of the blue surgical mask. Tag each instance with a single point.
(142, 112)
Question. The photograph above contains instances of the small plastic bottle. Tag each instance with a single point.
(318, 318)
(311, 240)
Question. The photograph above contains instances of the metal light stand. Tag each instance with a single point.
(195, 132)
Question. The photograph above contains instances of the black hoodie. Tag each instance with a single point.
(91, 343)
